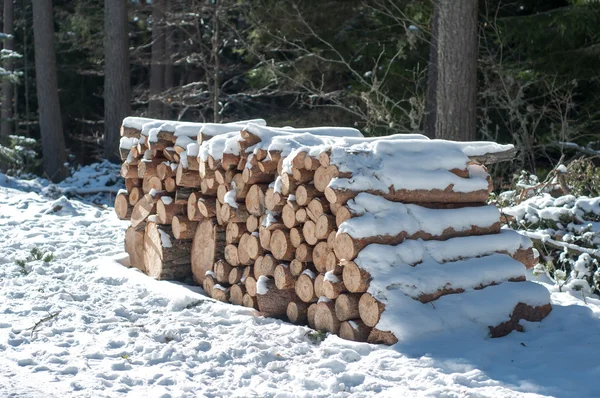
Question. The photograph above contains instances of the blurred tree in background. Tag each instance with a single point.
(303, 63)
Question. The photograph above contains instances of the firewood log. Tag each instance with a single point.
(297, 267)
(265, 265)
(170, 184)
(147, 167)
(235, 276)
(255, 200)
(305, 286)
(183, 228)
(122, 207)
(207, 247)
(355, 278)
(309, 231)
(165, 211)
(370, 309)
(306, 193)
(207, 207)
(311, 163)
(208, 283)
(222, 269)
(319, 256)
(332, 264)
(304, 253)
(134, 246)
(325, 318)
(243, 254)
(164, 171)
(129, 171)
(250, 301)
(273, 302)
(220, 293)
(145, 206)
(250, 284)
(346, 306)
(135, 193)
(324, 225)
(281, 246)
(252, 224)
(274, 200)
(132, 182)
(187, 178)
(332, 286)
(283, 277)
(381, 337)
(166, 257)
(297, 312)
(236, 293)
(354, 330)
(234, 231)
(231, 255)
(192, 210)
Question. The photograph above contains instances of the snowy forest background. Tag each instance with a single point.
(357, 63)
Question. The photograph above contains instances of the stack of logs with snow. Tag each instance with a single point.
(323, 226)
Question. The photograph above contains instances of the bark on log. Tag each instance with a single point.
(166, 212)
(187, 178)
(381, 337)
(310, 315)
(347, 247)
(522, 311)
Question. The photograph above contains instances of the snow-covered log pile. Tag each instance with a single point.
(372, 239)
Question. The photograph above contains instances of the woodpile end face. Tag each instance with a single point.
(350, 235)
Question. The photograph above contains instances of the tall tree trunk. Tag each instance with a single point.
(53, 142)
(158, 54)
(456, 95)
(117, 88)
(432, 71)
(169, 50)
(7, 86)
(215, 54)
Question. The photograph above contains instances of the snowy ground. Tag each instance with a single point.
(115, 332)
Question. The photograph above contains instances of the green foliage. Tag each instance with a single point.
(35, 255)
(20, 156)
(316, 336)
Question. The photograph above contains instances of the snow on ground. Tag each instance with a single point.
(115, 332)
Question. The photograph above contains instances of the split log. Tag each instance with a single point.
(122, 207)
(283, 277)
(346, 306)
(166, 257)
(207, 247)
(134, 246)
(297, 312)
(273, 302)
(354, 330)
(325, 318)
(253, 247)
(183, 228)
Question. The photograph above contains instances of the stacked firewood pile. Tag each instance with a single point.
(322, 226)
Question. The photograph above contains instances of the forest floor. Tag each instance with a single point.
(83, 325)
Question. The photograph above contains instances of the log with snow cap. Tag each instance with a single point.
(411, 171)
(381, 221)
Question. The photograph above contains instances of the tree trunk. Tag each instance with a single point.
(117, 90)
(456, 94)
(157, 62)
(53, 142)
(432, 71)
(6, 127)
(168, 63)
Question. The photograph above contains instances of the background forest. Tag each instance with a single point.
(303, 63)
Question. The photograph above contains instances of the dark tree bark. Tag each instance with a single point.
(456, 94)
(168, 63)
(431, 100)
(157, 70)
(7, 86)
(117, 89)
(53, 142)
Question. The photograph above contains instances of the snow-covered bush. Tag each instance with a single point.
(19, 156)
(565, 228)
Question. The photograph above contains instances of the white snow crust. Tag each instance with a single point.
(379, 216)
(118, 333)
